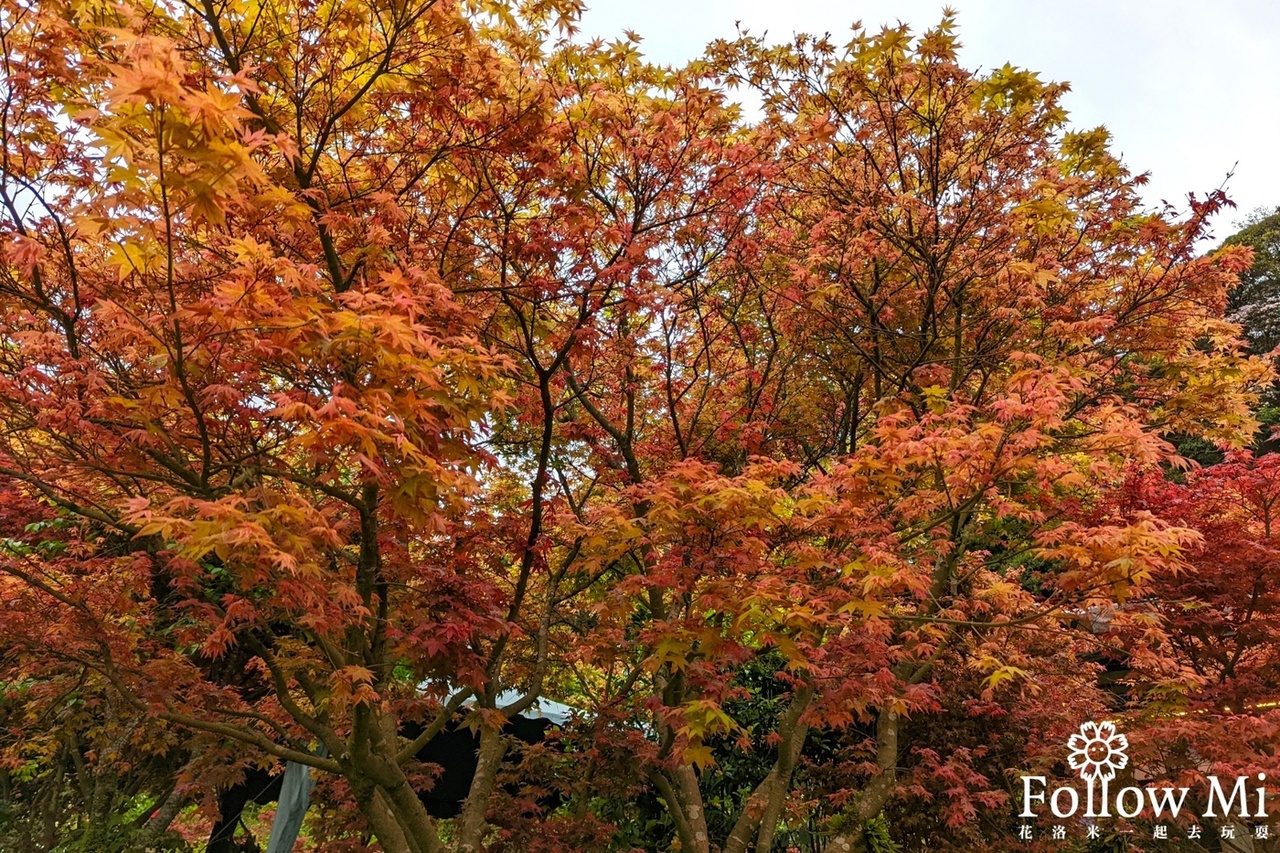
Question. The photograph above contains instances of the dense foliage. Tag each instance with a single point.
(1253, 303)
(367, 363)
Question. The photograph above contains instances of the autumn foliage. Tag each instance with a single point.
(364, 365)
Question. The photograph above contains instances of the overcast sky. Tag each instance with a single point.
(1187, 89)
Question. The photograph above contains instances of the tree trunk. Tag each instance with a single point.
(876, 794)
(471, 823)
(382, 820)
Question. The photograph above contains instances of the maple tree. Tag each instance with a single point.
(368, 364)
(1203, 676)
(964, 353)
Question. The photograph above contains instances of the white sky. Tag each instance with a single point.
(1187, 89)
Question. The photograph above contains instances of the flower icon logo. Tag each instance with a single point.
(1098, 751)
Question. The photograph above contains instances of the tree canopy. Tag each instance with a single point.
(370, 368)
(1252, 303)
